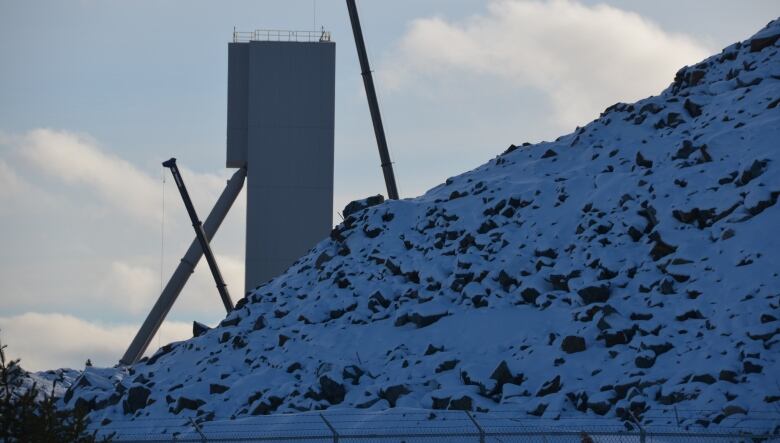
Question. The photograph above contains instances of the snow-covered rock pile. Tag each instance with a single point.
(53, 383)
(626, 268)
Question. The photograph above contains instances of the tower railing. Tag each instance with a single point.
(278, 35)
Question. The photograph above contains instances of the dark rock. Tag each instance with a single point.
(353, 373)
(433, 349)
(549, 153)
(550, 387)
(768, 318)
(751, 368)
(658, 349)
(704, 378)
(701, 218)
(755, 170)
(538, 411)
(268, 406)
(217, 389)
(502, 375)
(529, 295)
(461, 404)
(690, 315)
(393, 393)
(634, 233)
(660, 248)
(559, 282)
(199, 329)
(294, 367)
(377, 300)
(729, 376)
(594, 294)
(137, 397)
(643, 162)
(188, 403)
(666, 287)
(572, 344)
(359, 205)
(645, 360)
(693, 109)
(322, 259)
(419, 320)
(447, 366)
(599, 407)
(259, 323)
(487, 226)
(730, 410)
(372, 233)
(229, 322)
(505, 280)
(440, 403)
(331, 390)
(622, 337)
(759, 44)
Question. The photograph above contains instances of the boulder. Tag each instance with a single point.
(331, 390)
(572, 344)
(393, 393)
(359, 205)
(550, 387)
(137, 397)
(594, 294)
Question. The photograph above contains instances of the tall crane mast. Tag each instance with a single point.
(204, 243)
(373, 103)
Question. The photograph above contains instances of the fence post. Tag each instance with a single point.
(198, 429)
(479, 428)
(332, 429)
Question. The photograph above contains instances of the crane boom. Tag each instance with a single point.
(204, 243)
(373, 103)
(183, 271)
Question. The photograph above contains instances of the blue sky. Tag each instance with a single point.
(95, 93)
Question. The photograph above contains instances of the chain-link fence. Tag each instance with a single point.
(409, 426)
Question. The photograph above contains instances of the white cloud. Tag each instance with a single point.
(583, 58)
(47, 341)
(10, 183)
(78, 160)
(131, 287)
(86, 244)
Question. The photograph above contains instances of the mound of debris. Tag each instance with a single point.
(628, 267)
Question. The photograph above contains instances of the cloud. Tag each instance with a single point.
(10, 183)
(86, 247)
(78, 160)
(132, 287)
(583, 58)
(47, 341)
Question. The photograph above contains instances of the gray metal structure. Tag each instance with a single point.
(281, 106)
(182, 273)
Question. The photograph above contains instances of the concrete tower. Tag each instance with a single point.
(281, 102)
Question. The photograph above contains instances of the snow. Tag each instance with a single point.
(651, 233)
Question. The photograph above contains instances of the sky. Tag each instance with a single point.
(95, 94)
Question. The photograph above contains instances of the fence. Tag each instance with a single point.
(276, 35)
(442, 426)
